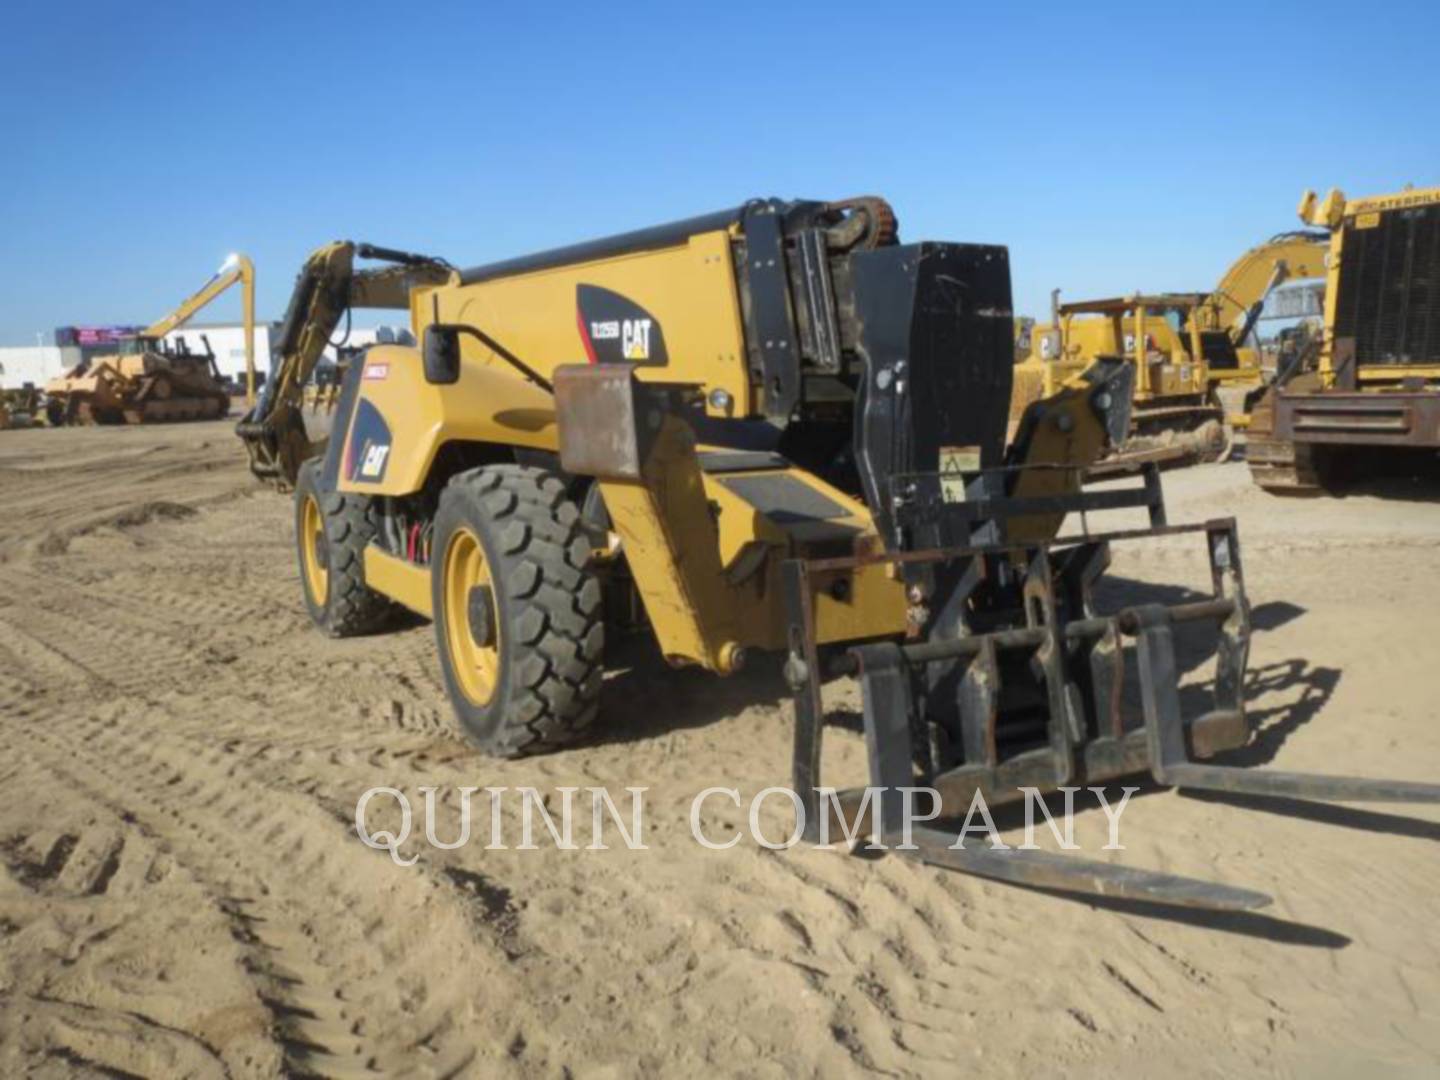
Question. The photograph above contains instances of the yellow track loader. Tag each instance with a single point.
(1193, 353)
(1364, 397)
(152, 382)
(778, 428)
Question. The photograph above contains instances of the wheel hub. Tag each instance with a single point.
(480, 614)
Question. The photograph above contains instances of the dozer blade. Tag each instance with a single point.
(1044, 870)
(1170, 764)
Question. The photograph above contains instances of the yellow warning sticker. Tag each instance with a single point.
(955, 462)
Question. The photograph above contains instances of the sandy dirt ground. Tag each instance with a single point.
(182, 890)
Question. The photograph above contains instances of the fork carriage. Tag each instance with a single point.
(1011, 677)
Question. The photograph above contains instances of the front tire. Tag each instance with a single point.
(331, 533)
(517, 610)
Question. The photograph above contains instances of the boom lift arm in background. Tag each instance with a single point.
(235, 268)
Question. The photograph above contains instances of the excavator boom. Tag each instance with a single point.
(237, 268)
(1236, 302)
(327, 287)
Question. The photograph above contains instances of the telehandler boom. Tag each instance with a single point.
(779, 428)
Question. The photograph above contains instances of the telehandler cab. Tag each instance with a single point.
(771, 428)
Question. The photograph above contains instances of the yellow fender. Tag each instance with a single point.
(399, 421)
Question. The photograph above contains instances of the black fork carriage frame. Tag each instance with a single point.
(1086, 737)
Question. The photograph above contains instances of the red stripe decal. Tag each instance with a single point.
(584, 334)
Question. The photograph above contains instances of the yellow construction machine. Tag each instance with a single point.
(1175, 414)
(152, 381)
(1194, 355)
(21, 407)
(775, 428)
(1364, 396)
(327, 289)
(1232, 310)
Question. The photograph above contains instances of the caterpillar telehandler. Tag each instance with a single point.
(1364, 396)
(151, 381)
(1194, 354)
(776, 428)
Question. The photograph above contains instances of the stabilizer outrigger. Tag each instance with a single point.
(1011, 677)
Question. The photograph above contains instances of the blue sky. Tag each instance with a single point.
(1110, 146)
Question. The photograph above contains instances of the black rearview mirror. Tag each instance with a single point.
(442, 354)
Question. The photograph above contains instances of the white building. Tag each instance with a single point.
(39, 364)
(227, 341)
(36, 364)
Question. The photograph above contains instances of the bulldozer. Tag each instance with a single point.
(1194, 353)
(151, 381)
(1175, 414)
(774, 429)
(1362, 397)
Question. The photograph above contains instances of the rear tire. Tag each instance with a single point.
(518, 612)
(331, 533)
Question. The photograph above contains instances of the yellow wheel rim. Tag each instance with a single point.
(313, 554)
(472, 628)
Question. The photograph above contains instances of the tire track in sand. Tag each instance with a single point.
(366, 967)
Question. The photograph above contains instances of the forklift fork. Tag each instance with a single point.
(1081, 663)
(1170, 763)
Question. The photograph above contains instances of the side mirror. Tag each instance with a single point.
(442, 354)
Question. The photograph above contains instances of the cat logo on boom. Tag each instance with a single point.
(635, 339)
(615, 329)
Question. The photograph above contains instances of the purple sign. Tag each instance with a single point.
(95, 335)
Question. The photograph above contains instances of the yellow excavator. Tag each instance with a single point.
(1363, 397)
(328, 288)
(151, 381)
(1232, 310)
(1193, 353)
(773, 428)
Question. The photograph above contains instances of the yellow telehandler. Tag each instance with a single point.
(773, 428)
